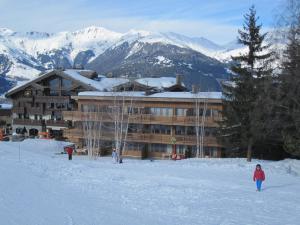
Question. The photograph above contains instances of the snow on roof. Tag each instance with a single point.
(202, 95)
(102, 85)
(159, 82)
(208, 95)
(5, 106)
(105, 84)
(229, 83)
(20, 84)
(112, 93)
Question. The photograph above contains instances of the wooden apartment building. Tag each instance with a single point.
(157, 124)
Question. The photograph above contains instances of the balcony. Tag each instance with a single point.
(18, 110)
(52, 99)
(140, 118)
(148, 138)
(27, 122)
(56, 123)
(35, 111)
(25, 99)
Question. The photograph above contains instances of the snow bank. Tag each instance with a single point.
(45, 188)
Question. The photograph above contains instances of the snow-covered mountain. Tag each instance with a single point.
(23, 55)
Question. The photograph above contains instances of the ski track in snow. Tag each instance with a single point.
(45, 188)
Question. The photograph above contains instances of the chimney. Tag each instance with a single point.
(178, 79)
(195, 89)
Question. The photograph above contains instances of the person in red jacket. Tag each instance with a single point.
(70, 152)
(258, 176)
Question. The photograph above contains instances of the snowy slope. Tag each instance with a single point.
(44, 188)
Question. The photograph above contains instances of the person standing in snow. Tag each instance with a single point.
(258, 176)
(114, 155)
(70, 152)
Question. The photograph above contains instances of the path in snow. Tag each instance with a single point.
(45, 188)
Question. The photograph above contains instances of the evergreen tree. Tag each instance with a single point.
(290, 87)
(239, 127)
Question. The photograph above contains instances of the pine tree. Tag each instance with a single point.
(239, 126)
(290, 88)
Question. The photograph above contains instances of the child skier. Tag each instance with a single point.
(258, 176)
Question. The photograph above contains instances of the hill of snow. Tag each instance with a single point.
(43, 188)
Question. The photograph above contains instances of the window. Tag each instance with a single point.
(66, 87)
(191, 130)
(181, 112)
(28, 93)
(180, 149)
(133, 146)
(135, 128)
(159, 148)
(160, 129)
(132, 110)
(210, 151)
(215, 113)
(161, 111)
(179, 130)
(54, 87)
(89, 108)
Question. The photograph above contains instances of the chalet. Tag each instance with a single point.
(152, 125)
(38, 104)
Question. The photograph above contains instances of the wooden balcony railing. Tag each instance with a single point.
(35, 111)
(148, 138)
(25, 99)
(58, 123)
(27, 122)
(52, 99)
(18, 110)
(139, 118)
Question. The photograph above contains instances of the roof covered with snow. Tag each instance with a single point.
(176, 95)
(158, 82)
(5, 106)
(101, 83)
(104, 84)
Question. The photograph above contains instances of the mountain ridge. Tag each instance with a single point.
(26, 54)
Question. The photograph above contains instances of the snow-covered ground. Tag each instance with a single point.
(45, 188)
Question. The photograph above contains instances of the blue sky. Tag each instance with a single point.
(217, 20)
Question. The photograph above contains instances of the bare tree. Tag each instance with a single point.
(200, 106)
(92, 129)
(121, 112)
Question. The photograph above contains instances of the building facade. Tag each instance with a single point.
(147, 125)
(5, 115)
(38, 104)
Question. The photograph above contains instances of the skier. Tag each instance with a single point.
(258, 176)
(70, 152)
(114, 155)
